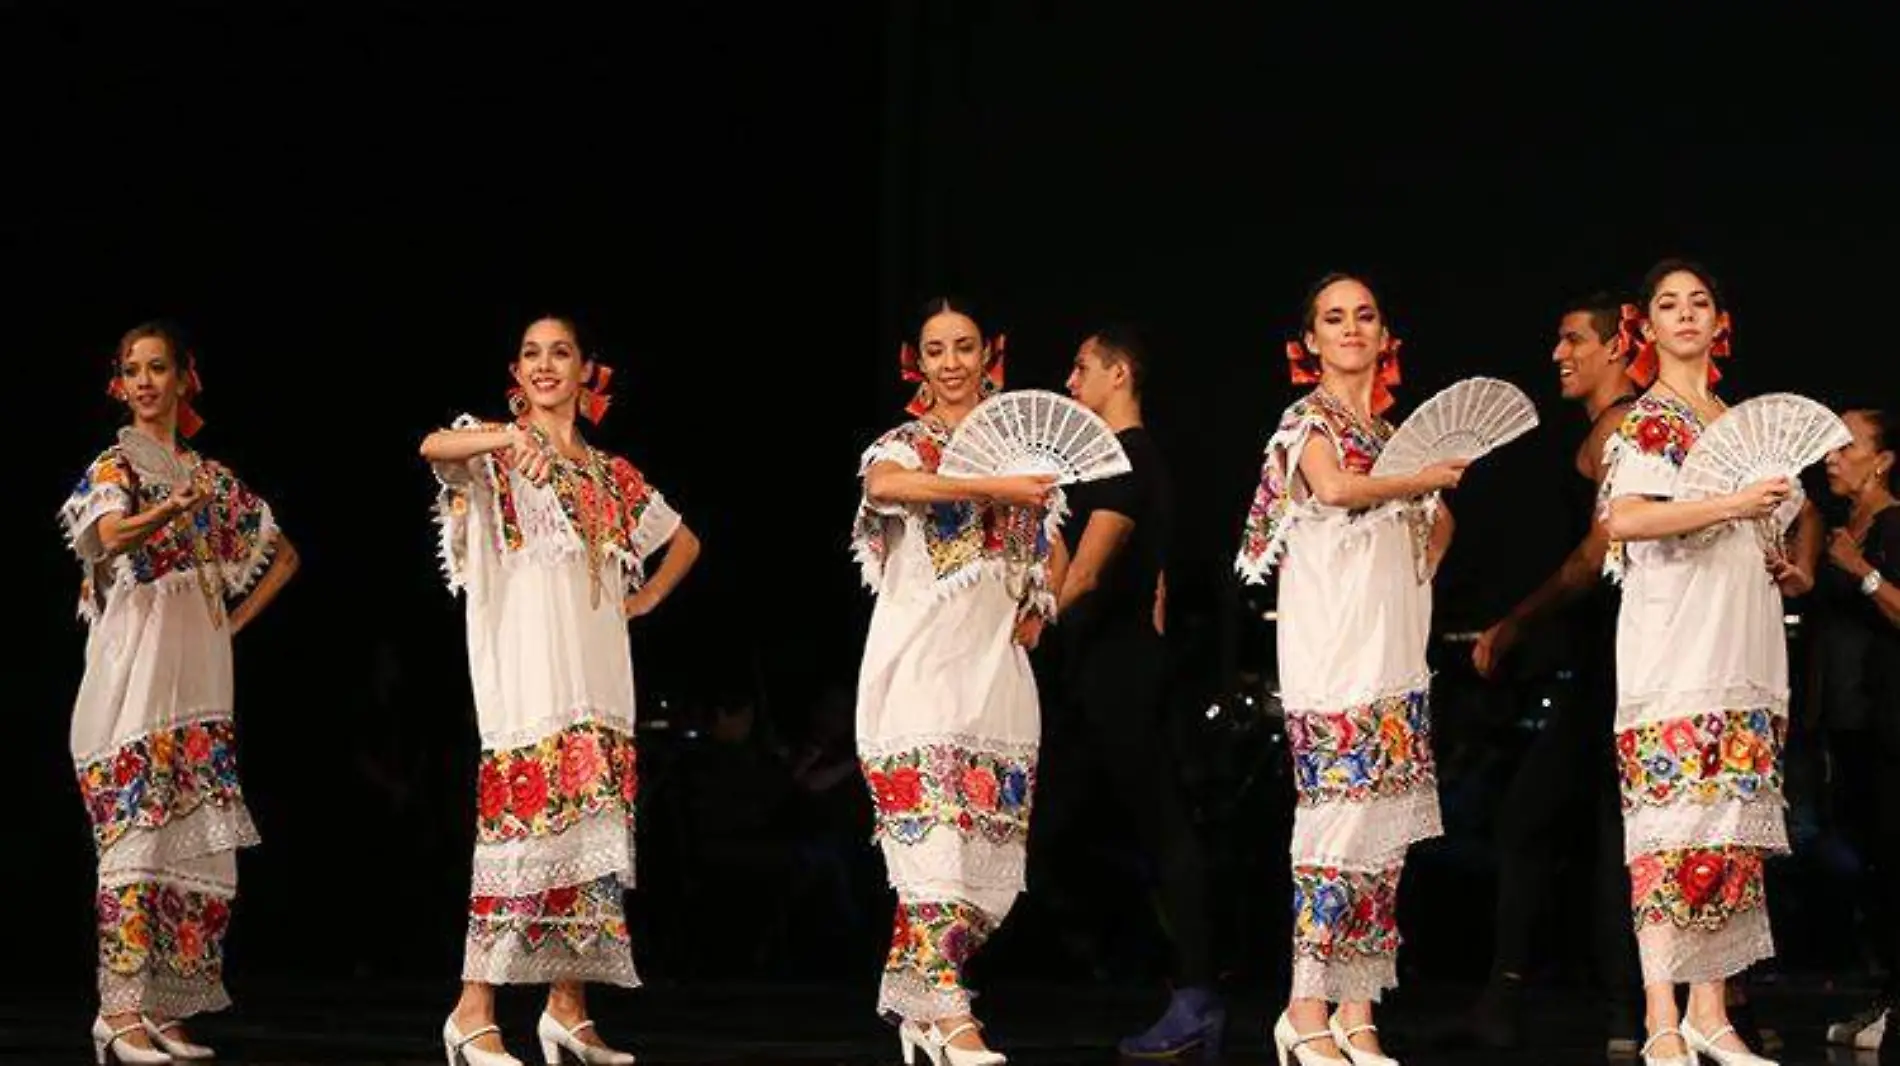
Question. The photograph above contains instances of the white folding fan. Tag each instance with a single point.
(154, 463)
(1464, 421)
(1030, 431)
(1778, 434)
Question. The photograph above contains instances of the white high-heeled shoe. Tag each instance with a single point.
(556, 1038)
(455, 1042)
(105, 1042)
(178, 1049)
(1343, 1038)
(1673, 1060)
(913, 1038)
(950, 1055)
(1705, 1045)
(1287, 1041)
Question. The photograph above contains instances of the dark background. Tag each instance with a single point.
(355, 217)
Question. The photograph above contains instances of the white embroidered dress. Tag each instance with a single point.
(1354, 620)
(1702, 714)
(552, 673)
(153, 740)
(947, 718)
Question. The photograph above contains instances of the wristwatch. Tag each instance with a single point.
(1871, 583)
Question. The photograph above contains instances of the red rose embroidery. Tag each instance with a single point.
(907, 788)
(1700, 876)
(529, 786)
(493, 792)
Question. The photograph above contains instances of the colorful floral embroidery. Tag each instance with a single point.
(226, 540)
(956, 535)
(1699, 888)
(1373, 751)
(617, 501)
(1703, 758)
(576, 915)
(1662, 426)
(545, 788)
(972, 791)
(160, 777)
(1344, 914)
(151, 925)
(936, 940)
(1271, 512)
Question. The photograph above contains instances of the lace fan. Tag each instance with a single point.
(1464, 421)
(153, 462)
(1030, 431)
(1778, 434)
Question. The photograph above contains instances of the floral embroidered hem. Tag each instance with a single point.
(931, 942)
(575, 933)
(1703, 758)
(1695, 888)
(1345, 931)
(156, 779)
(974, 791)
(547, 787)
(1674, 955)
(161, 949)
(1375, 750)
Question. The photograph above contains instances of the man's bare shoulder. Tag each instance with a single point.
(1590, 452)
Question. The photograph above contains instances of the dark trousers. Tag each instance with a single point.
(1107, 756)
(1568, 781)
(1865, 798)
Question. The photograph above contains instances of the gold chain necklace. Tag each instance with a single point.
(594, 519)
(590, 521)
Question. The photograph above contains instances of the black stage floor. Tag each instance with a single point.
(387, 1025)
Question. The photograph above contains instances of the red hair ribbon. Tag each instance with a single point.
(1305, 370)
(1645, 366)
(591, 403)
(912, 367)
(189, 421)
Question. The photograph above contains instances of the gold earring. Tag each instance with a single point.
(517, 404)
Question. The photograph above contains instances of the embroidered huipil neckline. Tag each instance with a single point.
(583, 488)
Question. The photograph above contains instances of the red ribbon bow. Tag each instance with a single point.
(1645, 366)
(1304, 368)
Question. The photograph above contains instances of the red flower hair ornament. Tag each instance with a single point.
(1645, 366)
(1304, 368)
(912, 366)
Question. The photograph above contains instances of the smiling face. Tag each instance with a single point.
(1682, 316)
(950, 354)
(151, 380)
(1582, 357)
(1346, 329)
(550, 367)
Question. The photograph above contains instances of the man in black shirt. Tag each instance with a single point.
(1112, 678)
(1569, 774)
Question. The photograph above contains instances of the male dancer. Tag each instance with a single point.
(1571, 767)
(1113, 668)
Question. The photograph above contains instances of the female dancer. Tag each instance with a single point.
(548, 537)
(964, 571)
(166, 538)
(1702, 678)
(1356, 555)
(1858, 640)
